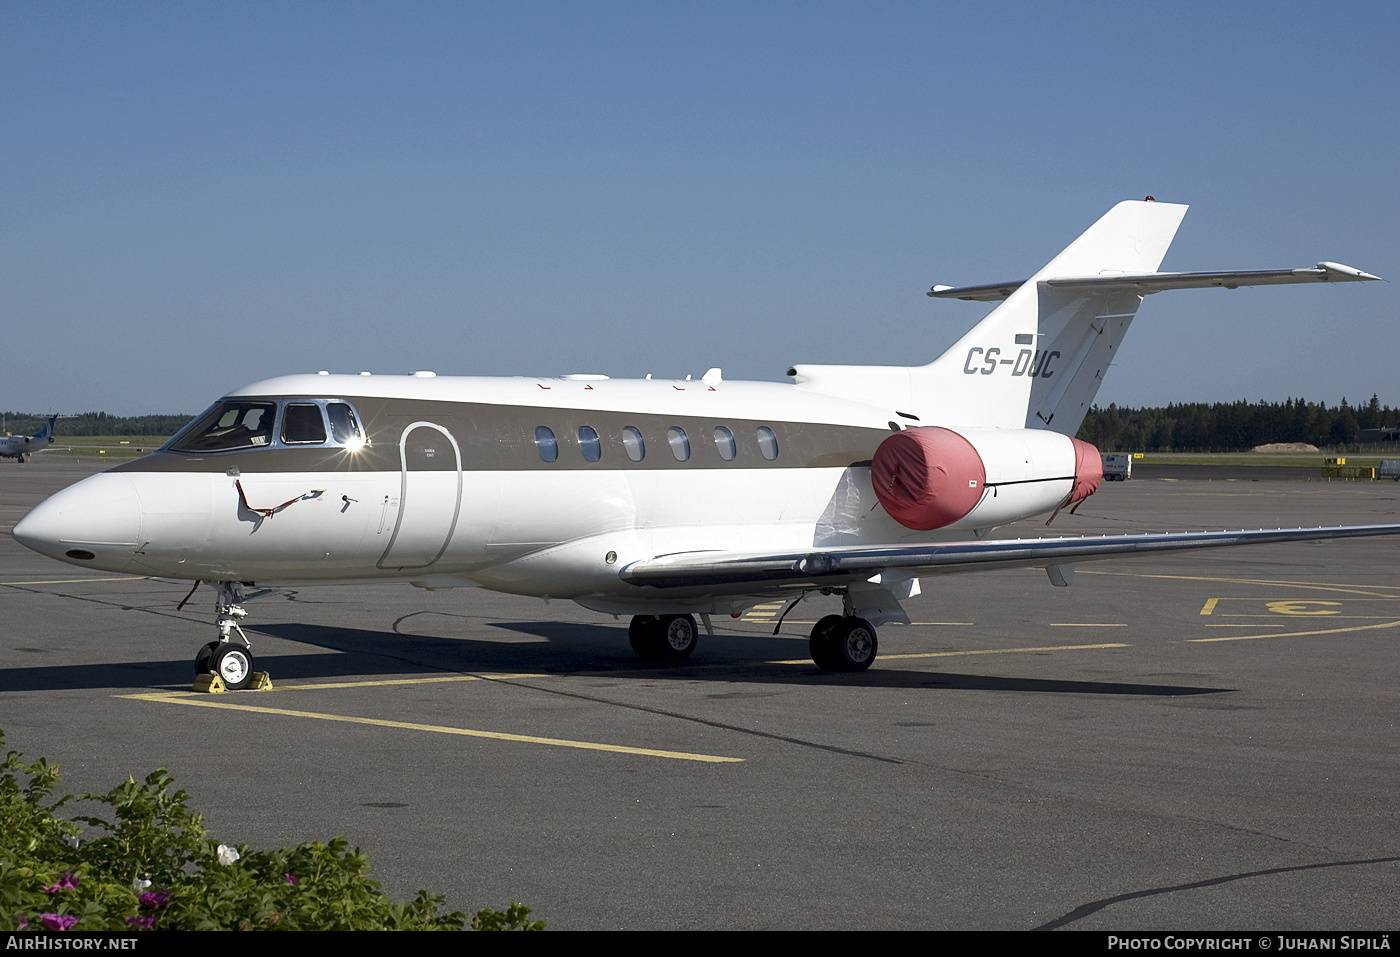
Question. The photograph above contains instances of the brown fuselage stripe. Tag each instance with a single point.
(502, 438)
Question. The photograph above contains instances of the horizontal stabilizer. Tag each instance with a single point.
(840, 566)
(1158, 281)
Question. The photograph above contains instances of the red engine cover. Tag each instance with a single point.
(1088, 472)
(928, 477)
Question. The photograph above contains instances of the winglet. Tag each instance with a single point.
(1349, 271)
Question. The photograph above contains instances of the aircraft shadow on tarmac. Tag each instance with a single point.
(571, 648)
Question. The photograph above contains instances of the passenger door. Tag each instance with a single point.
(430, 497)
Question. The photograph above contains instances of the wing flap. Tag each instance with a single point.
(839, 566)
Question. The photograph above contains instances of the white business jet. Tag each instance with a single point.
(22, 446)
(662, 500)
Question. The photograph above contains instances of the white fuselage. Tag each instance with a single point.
(451, 488)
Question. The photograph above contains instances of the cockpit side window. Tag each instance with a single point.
(345, 428)
(235, 424)
(302, 424)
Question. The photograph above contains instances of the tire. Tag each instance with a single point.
(644, 635)
(678, 635)
(669, 637)
(820, 644)
(201, 660)
(233, 664)
(854, 645)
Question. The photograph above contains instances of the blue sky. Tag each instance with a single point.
(200, 195)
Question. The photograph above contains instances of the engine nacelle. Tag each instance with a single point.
(932, 477)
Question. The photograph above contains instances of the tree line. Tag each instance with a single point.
(1233, 426)
(94, 423)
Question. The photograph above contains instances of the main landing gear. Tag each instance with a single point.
(231, 657)
(663, 637)
(843, 643)
(838, 642)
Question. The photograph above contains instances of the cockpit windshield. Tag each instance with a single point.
(237, 424)
(230, 425)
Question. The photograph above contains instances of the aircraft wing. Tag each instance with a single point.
(1147, 283)
(824, 567)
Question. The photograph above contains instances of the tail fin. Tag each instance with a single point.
(1037, 360)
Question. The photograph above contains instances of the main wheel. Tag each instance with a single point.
(644, 634)
(853, 645)
(201, 660)
(820, 644)
(659, 638)
(234, 664)
(679, 635)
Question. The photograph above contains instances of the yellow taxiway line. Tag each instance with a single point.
(202, 701)
(78, 581)
(1370, 591)
(331, 685)
(813, 621)
(1299, 634)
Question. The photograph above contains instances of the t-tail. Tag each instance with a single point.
(1038, 359)
(45, 434)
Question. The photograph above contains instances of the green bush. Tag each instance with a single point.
(155, 868)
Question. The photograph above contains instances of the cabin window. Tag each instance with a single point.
(767, 443)
(632, 442)
(546, 443)
(232, 425)
(680, 444)
(588, 444)
(302, 424)
(724, 441)
(345, 427)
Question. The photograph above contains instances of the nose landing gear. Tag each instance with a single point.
(231, 657)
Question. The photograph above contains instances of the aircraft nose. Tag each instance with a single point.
(94, 523)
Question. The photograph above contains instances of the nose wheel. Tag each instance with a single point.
(233, 664)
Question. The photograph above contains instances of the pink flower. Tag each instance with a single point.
(145, 923)
(23, 924)
(290, 878)
(153, 899)
(57, 921)
(68, 883)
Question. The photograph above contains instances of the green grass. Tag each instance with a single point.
(1311, 460)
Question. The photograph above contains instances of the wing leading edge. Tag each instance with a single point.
(847, 564)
